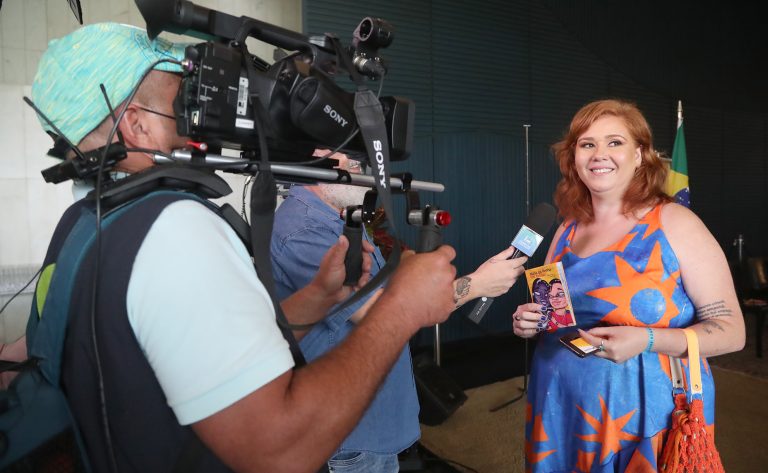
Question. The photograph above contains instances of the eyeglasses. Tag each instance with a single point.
(156, 112)
(559, 295)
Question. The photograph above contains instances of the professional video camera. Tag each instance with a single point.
(232, 99)
(295, 101)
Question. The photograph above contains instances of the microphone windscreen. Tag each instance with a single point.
(526, 242)
(542, 217)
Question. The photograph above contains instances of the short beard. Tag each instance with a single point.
(341, 196)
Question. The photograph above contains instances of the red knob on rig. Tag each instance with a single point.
(442, 218)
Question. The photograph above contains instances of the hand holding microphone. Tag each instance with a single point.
(497, 275)
(527, 240)
(493, 278)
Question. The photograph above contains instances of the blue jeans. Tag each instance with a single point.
(363, 462)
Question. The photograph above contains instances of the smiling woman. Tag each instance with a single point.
(606, 158)
(609, 133)
(639, 269)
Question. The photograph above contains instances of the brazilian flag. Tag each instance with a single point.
(677, 180)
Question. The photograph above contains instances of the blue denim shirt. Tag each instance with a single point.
(305, 227)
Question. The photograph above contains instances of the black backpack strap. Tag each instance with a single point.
(6, 365)
(191, 453)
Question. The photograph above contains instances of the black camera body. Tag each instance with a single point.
(302, 105)
(229, 98)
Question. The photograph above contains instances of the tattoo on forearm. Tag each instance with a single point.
(715, 309)
(462, 289)
(709, 326)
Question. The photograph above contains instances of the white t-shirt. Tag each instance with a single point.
(203, 319)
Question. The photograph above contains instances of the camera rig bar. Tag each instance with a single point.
(286, 172)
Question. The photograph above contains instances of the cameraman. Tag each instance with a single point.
(307, 223)
(187, 340)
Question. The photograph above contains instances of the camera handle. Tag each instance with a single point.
(355, 216)
(430, 238)
(353, 230)
(431, 221)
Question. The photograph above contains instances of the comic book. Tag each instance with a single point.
(548, 287)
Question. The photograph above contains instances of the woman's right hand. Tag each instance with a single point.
(529, 319)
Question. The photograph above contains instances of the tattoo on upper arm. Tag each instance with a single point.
(709, 312)
(462, 288)
(715, 309)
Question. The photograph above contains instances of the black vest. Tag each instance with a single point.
(146, 436)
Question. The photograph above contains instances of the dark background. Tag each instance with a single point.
(479, 71)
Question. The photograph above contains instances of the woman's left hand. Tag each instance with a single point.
(618, 343)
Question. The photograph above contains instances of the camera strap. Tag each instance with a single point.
(370, 120)
(263, 203)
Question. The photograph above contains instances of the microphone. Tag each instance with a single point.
(527, 240)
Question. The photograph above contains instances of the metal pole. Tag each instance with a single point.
(524, 389)
(739, 244)
(527, 172)
(527, 212)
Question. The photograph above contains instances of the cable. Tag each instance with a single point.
(450, 462)
(326, 156)
(3, 345)
(248, 181)
(97, 245)
(21, 290)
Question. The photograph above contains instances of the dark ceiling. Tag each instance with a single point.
(706, 53)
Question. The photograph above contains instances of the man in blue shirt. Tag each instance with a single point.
(307, 223)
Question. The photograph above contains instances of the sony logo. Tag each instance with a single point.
(335, 115)
(380, 162)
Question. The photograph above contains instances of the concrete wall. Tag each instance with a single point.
(29, 207)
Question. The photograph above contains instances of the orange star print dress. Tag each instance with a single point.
(590, 414)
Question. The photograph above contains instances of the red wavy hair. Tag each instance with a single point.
(572, 197)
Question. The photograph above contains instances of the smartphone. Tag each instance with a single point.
(577, 345)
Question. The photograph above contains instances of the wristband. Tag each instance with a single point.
(650, 340)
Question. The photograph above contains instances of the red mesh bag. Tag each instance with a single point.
(688, 446)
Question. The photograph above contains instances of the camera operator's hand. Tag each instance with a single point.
(420, 292)
(310, 304)
(329, 279)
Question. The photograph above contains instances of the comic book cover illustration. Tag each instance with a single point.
(548, 287)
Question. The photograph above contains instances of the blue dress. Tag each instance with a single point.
(590, 414)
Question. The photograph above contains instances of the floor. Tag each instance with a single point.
(478, 362)
(418, 459)
(500, 357)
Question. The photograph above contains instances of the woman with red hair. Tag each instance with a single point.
(640, 269)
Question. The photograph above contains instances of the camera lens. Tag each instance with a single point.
(366, 26)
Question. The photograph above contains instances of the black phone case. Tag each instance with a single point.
(568, 339)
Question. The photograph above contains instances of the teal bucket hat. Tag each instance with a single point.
(66, 86)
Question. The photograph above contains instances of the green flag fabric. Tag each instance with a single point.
(677, 180)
